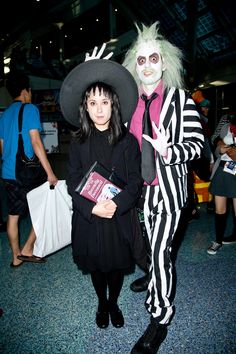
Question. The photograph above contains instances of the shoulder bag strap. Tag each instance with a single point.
(20, 139)
(20, 115)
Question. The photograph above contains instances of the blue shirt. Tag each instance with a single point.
(9, 134)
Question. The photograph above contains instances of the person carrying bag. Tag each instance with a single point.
(17, 186)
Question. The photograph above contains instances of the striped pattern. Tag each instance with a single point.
(224, 120)
(163, 203)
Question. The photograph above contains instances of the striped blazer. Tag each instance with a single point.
(180, 117)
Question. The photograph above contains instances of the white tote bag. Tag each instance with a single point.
(51, 212)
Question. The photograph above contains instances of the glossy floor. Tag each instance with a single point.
(50, 308)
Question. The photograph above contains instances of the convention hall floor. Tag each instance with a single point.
(50, 308)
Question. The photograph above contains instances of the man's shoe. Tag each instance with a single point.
(140, 284)
(33, 259)
(151, 340)
(214, 248)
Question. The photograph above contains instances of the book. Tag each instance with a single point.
(230, 167)
(99, 184)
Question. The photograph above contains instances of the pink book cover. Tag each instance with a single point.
(97, 188)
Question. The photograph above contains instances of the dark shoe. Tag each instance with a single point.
(33, 259)
(102, 319)
(12, 265)
(117, 318)
(194, 215)
(3, 227)
(211, 207)
(151, 340)
(229, 240)
(140, 284)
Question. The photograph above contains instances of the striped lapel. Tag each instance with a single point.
(167, 108)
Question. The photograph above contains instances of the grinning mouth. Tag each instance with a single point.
(147, 72)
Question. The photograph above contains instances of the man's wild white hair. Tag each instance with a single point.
(171, 55)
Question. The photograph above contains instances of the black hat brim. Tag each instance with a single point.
(98, 70)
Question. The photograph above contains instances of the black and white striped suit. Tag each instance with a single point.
(163, 203)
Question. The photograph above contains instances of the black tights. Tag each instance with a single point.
(111, 281)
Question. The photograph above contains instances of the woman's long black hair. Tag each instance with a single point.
(116, 128)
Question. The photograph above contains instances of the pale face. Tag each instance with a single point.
(149, 64)
(99, 108)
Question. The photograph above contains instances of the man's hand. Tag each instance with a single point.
(52, 179)
(98, 55)
(160, 144)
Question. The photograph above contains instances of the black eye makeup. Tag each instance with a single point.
(153, 58)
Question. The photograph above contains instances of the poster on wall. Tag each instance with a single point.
(47, 101)
(49, 136)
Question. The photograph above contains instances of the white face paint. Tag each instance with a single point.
(149, 64)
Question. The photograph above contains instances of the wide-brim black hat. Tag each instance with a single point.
(98, 70)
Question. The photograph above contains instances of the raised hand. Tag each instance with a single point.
(160, 144)
(98, 55)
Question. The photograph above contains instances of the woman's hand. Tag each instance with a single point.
(231, 152)
(223, 148)
(105, 209)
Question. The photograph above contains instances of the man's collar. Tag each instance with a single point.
(159, 89)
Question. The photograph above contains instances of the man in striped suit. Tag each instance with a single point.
(176, 138)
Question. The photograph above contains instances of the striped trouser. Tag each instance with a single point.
(161, 228)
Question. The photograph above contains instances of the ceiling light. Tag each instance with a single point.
(219, 83)
(7, 60)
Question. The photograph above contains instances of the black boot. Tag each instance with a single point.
(151, 340)
(232, 238)
(140, 284)
(117, 318)
(220, 226)
(102, 318)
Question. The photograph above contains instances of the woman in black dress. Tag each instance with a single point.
(106, 236)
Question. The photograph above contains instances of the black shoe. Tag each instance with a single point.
(117, 318)
(210, 207)
(229, 240)
(151, 340)
(3, 227)
(194, 215)
(102, 319)
(140, 284)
